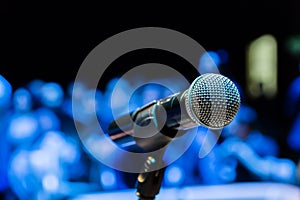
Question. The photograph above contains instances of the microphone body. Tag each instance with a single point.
(212, 100)
(151, 126)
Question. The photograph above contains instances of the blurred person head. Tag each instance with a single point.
(22, 100)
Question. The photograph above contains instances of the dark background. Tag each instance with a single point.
(49, 42)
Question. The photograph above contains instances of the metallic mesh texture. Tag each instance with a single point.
(212, 100)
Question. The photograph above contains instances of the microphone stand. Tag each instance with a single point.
(150, 179)
(149, 182)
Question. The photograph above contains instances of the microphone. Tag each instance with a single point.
(212, 100)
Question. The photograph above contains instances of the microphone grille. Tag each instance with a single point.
(212, 100)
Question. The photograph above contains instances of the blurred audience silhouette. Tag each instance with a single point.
(42, 156)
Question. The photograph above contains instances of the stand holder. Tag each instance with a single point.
(149, 182)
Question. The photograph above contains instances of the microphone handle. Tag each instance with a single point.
(152, 126)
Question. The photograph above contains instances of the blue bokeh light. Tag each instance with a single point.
(209, 62)
(263, 145)
(146, 94)
(52, 94)
(115, 99)
(22, 100)
(108, 179)
(47, 119)
(35, 87)
(174, 176)
(42, 157)
(5, 93)
(23, 128)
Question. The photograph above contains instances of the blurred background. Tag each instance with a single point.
(254, 43)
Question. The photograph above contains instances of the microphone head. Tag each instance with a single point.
(212, 100)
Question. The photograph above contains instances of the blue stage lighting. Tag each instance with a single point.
(152, 92)
(23, 128)
(267, 168)
(47, 119)
(208, 167)
(22, 100)
(86, 106)
(35, 87)
(263, 145)
(52, 95)
(209, 62)
(62, 148)
(115, 99)
(174, 176)
(50, 183)
(5, 102)
(147, 93)
(5, 93)
(22, 181)
(226, 169)
(108, 179)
